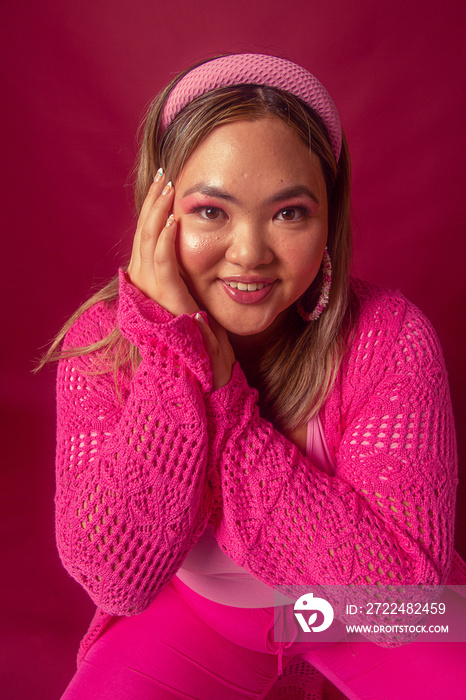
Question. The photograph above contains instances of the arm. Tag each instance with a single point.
(387, 515)
(131, 461)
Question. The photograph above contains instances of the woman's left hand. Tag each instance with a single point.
(222, 357)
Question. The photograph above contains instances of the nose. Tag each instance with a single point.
(249, 246)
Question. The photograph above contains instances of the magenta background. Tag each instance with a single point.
(77, 76)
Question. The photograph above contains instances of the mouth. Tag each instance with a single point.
(250, 287)
(245, 291)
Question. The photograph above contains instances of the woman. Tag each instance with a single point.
(234, 415)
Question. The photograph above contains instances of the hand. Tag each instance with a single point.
(153, 267)
(222, 357)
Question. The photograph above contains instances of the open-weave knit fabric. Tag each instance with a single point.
(144, 462)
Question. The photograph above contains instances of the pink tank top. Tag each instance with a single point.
(207, 569)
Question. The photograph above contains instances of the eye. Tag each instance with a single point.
(210, 213)
(291, 214)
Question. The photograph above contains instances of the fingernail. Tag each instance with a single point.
(167, 188)
(170, 221)
(158, 175)
(199, 318)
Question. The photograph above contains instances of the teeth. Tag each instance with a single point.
(246, 287)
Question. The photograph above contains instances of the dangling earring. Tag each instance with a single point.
(324, 292)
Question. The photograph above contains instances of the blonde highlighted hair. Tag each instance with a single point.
(299, 367)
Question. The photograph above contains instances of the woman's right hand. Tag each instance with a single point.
(153, 267)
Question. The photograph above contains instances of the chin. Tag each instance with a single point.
(245, 333)
(244, 329)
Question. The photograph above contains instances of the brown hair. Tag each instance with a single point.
(298, 369)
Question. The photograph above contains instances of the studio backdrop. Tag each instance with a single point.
(77, 77)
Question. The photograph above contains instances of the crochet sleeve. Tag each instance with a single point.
(132, 493)
(387, 515)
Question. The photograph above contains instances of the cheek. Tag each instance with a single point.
(305, 257)
(306, 270)
(304, 262)
(195, 250)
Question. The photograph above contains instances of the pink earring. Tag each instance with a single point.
(324, 292)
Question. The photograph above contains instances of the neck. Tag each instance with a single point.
(249, 351)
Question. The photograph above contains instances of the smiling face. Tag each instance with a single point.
(251, 205)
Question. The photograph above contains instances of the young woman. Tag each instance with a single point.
(236, 415)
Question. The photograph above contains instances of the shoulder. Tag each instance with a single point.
(392, 360)
(86, 375)
(374, 304)
(388, 333)
(387, 316)
(92, 325)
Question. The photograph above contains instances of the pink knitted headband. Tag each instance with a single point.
(257, 69)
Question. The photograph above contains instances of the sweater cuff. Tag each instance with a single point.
(147, 325)
(231, 407)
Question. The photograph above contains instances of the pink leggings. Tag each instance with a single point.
(184, 646)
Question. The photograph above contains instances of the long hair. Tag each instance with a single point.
(299, 367)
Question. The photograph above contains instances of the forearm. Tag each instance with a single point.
(131, 498)
(132, 490)
(288, 523)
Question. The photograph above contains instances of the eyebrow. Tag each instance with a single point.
(210, 191)
(294, 191)
(286, 193)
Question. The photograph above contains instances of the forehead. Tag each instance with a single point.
(260, 153)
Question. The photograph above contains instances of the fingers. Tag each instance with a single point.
(154, 191)
(153, 194)
(165, 250)
(153, 267)
(222, 338)
(211, 343)
(219, 350)
(154, 221)
(164, 256)
(151, 222)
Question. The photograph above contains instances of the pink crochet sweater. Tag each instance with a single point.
(144, 463)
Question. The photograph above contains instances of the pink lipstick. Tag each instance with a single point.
(248, 289)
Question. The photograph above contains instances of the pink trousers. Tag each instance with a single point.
(185, 646)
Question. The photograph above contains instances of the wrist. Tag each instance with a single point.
(229, 408)
(149, 326)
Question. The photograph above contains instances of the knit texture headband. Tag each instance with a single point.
(256, 69)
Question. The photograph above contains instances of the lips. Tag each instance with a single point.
(252, 287)
(248, 290)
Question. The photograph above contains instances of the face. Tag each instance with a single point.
(251, 206)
